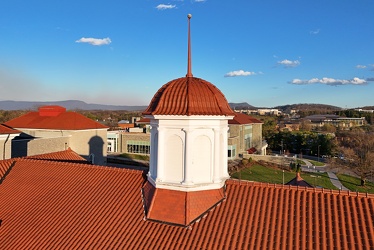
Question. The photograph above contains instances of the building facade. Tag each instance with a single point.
(244, 133)
(335, 120)
(6, 136)
(245, 136)
(52, 129)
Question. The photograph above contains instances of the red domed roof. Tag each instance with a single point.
(189, 96)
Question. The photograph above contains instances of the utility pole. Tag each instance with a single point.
(318, 152)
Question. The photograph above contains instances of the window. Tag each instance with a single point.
(247, 141)
(138, 147)
(112, 143)
(248, 137)
(231, 152)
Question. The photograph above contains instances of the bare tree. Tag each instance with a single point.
(306, 125)
(357, 152)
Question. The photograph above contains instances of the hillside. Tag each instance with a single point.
(241, 105)
(80, 105)
(308, 107)
(69, 104)
(367, 108)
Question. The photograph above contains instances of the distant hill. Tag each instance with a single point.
(367, 108)
(308, 107)
(241, 105)
(69, 104)
(80, 105)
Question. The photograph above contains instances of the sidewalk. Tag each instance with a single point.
(333, 178)
(335, 181)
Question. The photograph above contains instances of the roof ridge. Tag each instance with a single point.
(307, 189)
(75, 164)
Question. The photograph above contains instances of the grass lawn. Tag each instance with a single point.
(301, 162)
(263, 174)
(135, 156)
(317, 163)
(353, 184)
(271, 175)
(318, 180)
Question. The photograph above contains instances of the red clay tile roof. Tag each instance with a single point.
(67, 155)
(251, 150)
(54, 205)
(241, 118)
(144, 121)
(7, 130)
(5, 167)
(177, 207)
(189, 96)
(54, 117)
(63, 156)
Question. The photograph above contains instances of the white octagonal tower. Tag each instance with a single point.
(189, 123)
(189, 148)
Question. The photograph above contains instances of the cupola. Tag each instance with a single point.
(188, 166)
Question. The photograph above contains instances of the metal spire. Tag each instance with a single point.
(189, 71)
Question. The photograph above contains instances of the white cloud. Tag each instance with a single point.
(289, 64)
(358, 81)
(239, 73)
(369, 66)
(314, 32)
(330, 81)
(165, 6)
(200, 1)
(94, 41)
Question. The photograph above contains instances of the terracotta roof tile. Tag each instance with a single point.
(5, 167)
(251, 150)
(63, 156)
(54, 205)
(188, 96)
(177, 207)
(144, 121)
(67, 155)
(8, 130)
(54, 117)
(241, 118)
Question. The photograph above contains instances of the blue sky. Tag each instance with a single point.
(264, 52)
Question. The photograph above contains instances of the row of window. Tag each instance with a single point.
(138, 147)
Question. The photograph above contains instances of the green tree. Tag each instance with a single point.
(305, 142)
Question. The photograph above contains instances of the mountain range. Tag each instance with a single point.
(80, 105)
(69, 105)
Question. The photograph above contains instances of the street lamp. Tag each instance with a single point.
(318, 152)
(282, 147)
